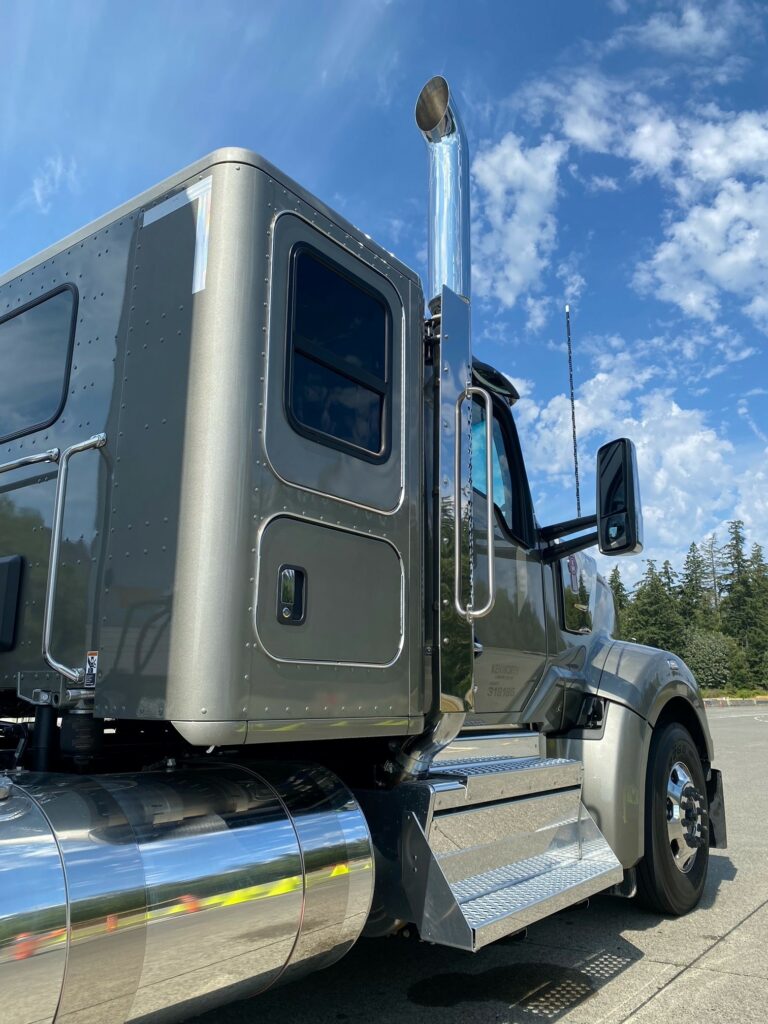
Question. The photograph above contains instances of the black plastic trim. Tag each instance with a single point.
(10, 592)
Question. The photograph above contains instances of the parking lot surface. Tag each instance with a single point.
(607, 963)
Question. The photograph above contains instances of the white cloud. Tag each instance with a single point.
(537, 310)
(695, 32)
(752, 503)
(725, 145)
(586, 107)
(742, 407)
(522, 385)
(687, 481)
(757, 308)
(654, 143)
(55, 174)
(691, 152)
(573, 281)
(602, 183)
(717, 247)
(515, 229)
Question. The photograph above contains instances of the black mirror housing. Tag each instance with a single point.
(619, 511)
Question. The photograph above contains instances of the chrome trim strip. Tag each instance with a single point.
(75, 675)
(52, 455)
(452, 377)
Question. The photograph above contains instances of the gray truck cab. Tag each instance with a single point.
(285, 655)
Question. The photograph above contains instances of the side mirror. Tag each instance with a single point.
(619, 512)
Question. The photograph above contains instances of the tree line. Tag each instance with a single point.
(713, 613)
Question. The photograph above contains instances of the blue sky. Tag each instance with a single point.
(620, 162)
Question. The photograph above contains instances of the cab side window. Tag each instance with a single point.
(510, 486)
(578, 575)
(502, 478)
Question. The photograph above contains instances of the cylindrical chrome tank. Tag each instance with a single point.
(162, 894)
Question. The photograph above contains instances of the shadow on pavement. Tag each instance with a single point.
(562, 962)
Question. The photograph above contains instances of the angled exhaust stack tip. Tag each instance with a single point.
(449, 249)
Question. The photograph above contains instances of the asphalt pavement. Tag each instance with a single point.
(606, 963)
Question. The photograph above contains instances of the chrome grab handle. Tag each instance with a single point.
(469, 613)
(75, 675)
(52, 455)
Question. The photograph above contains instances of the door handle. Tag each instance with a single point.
(291, 595)
(468, 612)
(75, 675)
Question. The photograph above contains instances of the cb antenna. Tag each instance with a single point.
(573, 410)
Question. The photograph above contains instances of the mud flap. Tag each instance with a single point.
(718, 835)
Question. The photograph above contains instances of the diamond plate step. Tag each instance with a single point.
(494, 838)
(471, 747)
(468, 911)
(502, 779)
(511, 898)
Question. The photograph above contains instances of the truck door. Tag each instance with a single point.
(337, 546)
(511, 640)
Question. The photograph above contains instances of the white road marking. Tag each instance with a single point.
(762, 717)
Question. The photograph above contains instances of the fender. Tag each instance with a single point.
(647, 680)
(643, 688)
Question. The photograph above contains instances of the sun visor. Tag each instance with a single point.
(486, 376)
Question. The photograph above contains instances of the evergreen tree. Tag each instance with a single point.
(652, 617)
(620, 599)
(756, 636)
(714, 614)
(710, 557)
(669, 578)
(738, 607)
(734, 557)
(695, 600)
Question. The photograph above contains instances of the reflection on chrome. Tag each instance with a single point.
(178, 891)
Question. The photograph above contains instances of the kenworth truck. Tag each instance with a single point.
(285, 656)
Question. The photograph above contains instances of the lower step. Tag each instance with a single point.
(530, 890)
(470, 911)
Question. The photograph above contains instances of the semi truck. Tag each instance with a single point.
(286, 658)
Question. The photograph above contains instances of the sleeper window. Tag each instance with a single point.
(338, 358)
(35, 353)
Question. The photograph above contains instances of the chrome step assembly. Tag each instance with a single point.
(495, 838)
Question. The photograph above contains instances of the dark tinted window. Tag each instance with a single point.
(338, 368)
(332, 404)
(35, 350)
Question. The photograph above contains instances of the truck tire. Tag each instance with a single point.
(671, 875)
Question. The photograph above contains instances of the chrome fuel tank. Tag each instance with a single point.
(163, 894)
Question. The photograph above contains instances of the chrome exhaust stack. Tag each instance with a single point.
(448, 295)
(449, 245)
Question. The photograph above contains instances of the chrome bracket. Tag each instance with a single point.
(52, 455)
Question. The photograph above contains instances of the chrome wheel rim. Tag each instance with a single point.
(685, 814)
